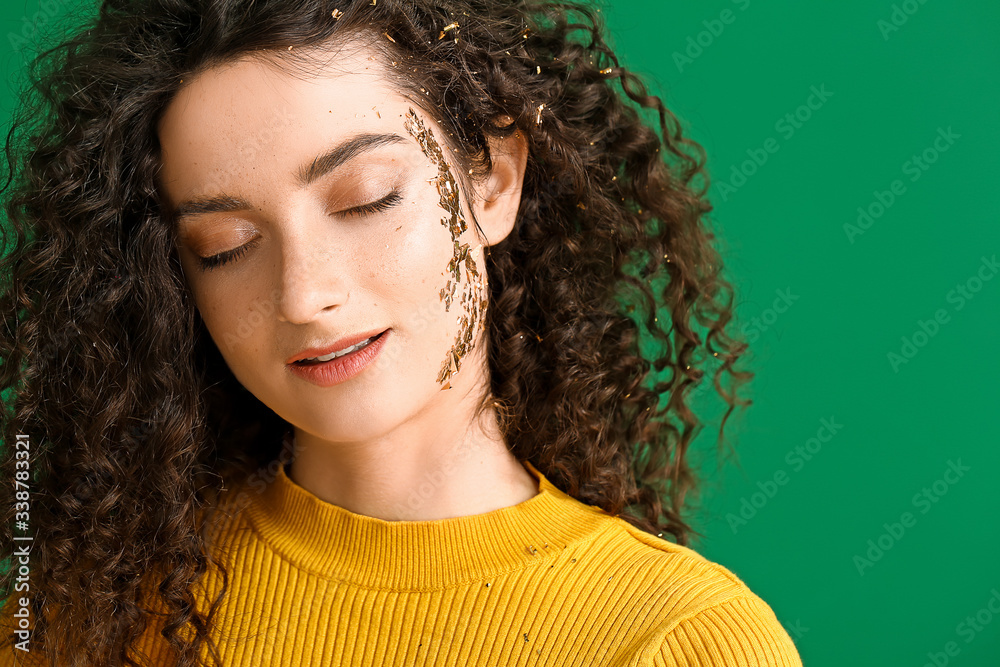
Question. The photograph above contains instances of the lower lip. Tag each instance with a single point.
(341, 369)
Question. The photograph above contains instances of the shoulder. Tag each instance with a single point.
(700, 613)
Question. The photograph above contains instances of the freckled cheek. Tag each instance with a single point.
(229, 316)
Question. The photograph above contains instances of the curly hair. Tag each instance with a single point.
(136, 423)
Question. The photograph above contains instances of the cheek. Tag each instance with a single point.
(419, 250)
(236, 319)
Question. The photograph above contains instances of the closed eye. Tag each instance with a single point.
(208, 263)
(387, 202)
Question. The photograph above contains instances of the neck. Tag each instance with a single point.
(415, 473)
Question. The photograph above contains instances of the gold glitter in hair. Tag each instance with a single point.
(474, 288)
(450, 26)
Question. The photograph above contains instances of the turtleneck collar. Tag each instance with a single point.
(333, 542)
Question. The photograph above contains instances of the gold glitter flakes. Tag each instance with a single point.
(389, 37)
(337, 14)
(474, 288)
(607, 70)
(450, 26)
(538, 121)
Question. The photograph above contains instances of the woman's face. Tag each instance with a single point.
(315, 211)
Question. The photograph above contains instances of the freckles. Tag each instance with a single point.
(473, 299)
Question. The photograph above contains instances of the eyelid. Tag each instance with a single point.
(394, 197)
(221, 258)
(241, 232)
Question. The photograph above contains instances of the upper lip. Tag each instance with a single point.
(336, 346)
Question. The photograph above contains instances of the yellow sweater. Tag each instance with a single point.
(548, 582)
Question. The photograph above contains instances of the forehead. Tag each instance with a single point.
(257, 110)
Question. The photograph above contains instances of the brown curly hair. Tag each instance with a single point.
(135, 420)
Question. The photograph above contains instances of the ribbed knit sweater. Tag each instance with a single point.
(548, 582)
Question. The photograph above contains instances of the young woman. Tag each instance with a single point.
(358, 333)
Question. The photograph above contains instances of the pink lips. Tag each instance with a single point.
(335, 346)
(340, 369)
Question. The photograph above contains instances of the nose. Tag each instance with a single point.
(311, 279)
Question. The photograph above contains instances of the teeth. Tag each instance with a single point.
(346, 350)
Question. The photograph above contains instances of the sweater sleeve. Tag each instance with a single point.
(739, 632)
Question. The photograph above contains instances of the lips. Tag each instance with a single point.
(337, 346)
(343, 368)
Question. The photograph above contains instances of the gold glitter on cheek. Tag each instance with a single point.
(473, 298)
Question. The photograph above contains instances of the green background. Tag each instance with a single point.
(824, 307)
(847, 305)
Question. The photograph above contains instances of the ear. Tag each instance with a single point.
(496, 209)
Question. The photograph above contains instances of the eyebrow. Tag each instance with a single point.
(306, 175)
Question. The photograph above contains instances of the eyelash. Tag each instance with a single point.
(387, 202)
